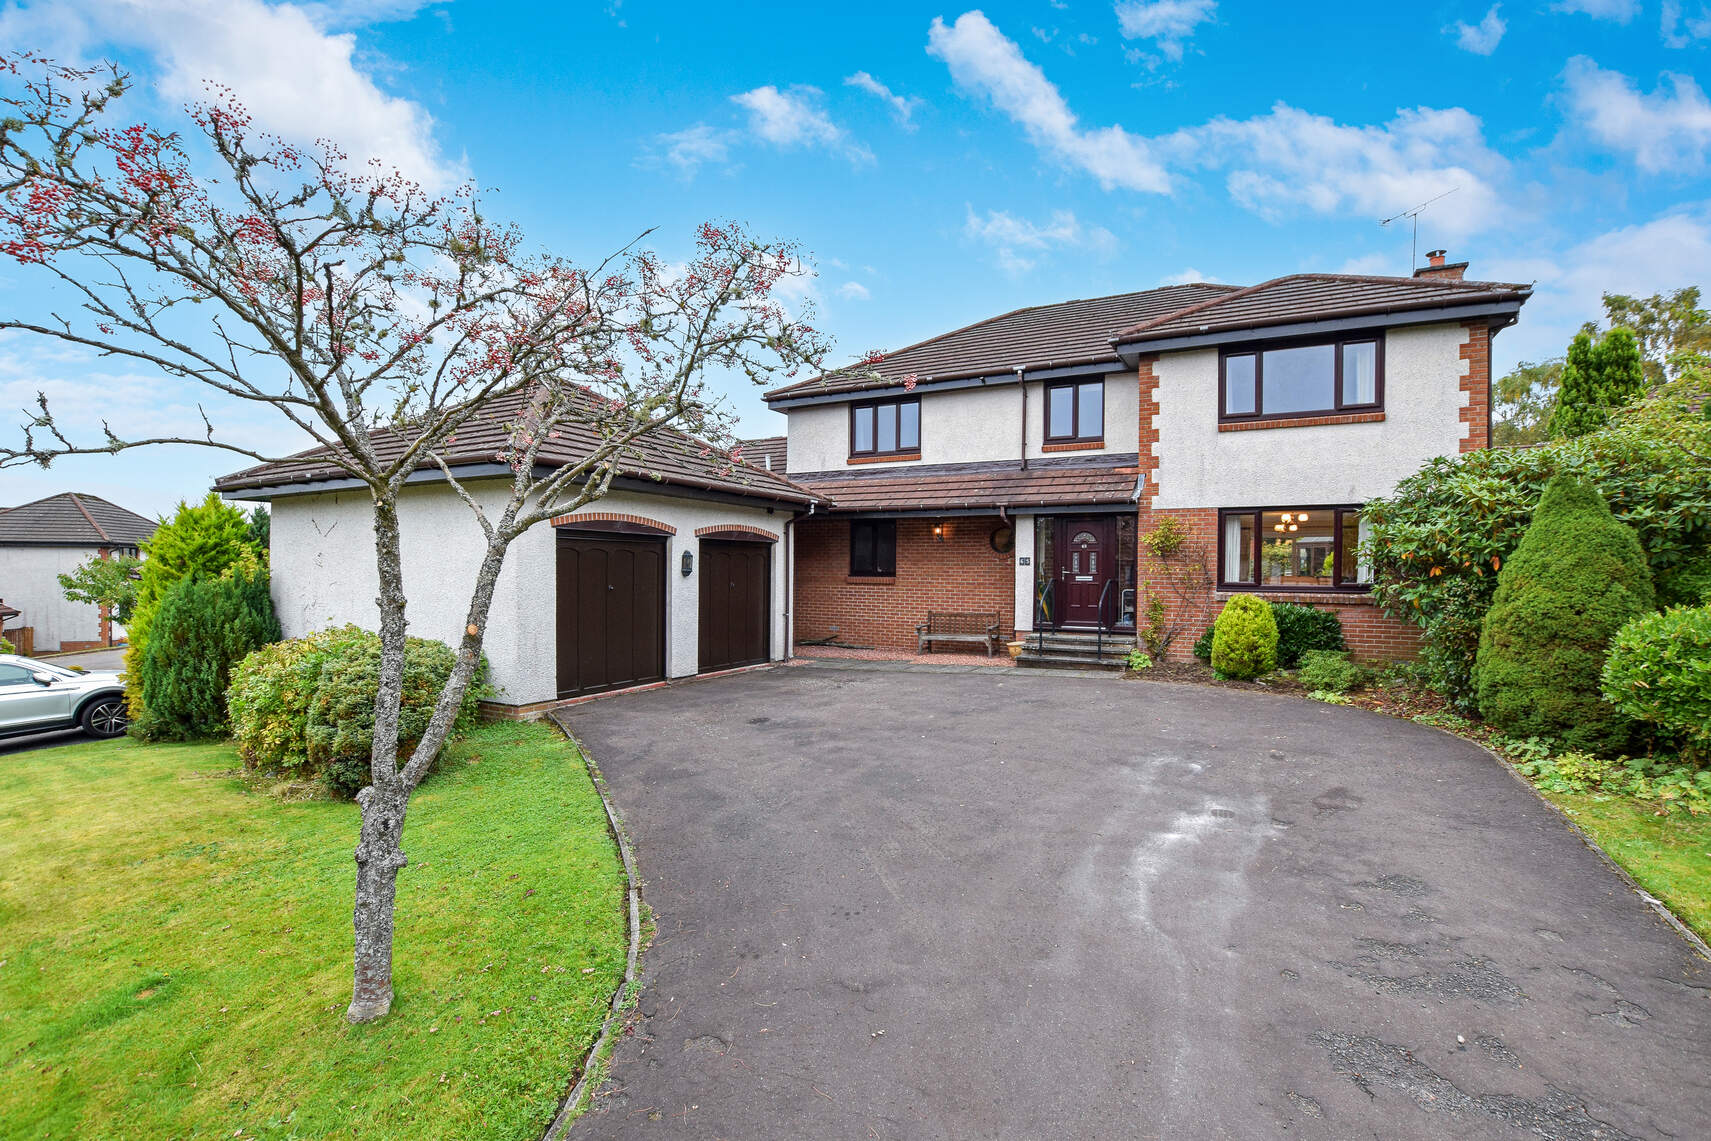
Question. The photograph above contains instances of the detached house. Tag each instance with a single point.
(42, 540)
(1011, 466)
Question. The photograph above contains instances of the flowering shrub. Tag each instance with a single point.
(1659, 671)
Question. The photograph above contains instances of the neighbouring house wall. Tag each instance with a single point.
(965, 425)
(683, 595)
(961, 573)
(1201, 463)
(29, 581)
(324, 575)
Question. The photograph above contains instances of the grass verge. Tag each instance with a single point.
(175, 947)
(1669, 856)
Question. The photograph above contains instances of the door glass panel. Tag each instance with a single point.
(1299, 379)
(1360, 373)
(909, 426)
(887, 415)
(1045, 570)
(1239, 385)
(863, 430)
(1085, 537)
(1075, 562)
(1091, 421)
(1092, 562)
(1297, 548)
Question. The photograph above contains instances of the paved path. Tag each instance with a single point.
(1006, 905)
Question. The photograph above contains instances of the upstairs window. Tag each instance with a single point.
(1302, 380)
(1292, 548)
(886, 428)
(873, 548)
(1075, 412)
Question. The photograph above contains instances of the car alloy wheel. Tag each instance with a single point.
(106, 718)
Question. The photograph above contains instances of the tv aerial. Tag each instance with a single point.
(1413, 215)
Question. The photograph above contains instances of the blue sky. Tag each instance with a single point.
(943, 164)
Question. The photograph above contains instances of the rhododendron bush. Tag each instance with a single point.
(377, 321)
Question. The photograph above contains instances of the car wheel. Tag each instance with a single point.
(106, 717)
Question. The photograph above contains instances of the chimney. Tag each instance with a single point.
(1435, 267)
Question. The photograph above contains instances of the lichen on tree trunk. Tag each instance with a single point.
(379, 858)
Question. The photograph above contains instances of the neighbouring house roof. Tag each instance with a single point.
(73, 519)
(1107, 479)
(1308, 297)
(1038, 337)
(768, 454)
(661, 457)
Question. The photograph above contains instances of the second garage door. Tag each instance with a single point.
(611, 612)
(736, 579)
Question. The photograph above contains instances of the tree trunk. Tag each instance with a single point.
(379, 858)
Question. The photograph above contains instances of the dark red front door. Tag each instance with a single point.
(1086, 562)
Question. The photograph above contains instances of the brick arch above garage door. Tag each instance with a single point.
(734, 531)
(585, 518)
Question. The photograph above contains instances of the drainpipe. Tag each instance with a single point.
(1022, 383)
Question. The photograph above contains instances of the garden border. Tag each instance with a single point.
(570, 1109)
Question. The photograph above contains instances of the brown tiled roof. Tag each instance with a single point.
(1317, 297)
(1044, 483)
(768, 454)
(663, 456)
(1041, 336)
(73, 519)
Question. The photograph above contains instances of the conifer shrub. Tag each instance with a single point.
(1303, 628)
(1659, 671)
(1332, 671)
(202, 629)
(1577, 576)
(1244, 638)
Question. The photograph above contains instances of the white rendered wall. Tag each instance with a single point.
(323, 575)
(1200, 466)
(29, 581)
(964, 425)
(1024, 574)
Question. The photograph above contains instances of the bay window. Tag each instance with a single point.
(1302, 379)
(1292, 548)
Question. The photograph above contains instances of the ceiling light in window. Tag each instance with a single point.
(1293, 527)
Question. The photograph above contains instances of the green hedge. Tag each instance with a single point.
(1577, 576)
(1659, 671)
(201, 630)
(1244, 638)
(306, 706)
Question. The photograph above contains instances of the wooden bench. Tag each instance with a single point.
(981, 629)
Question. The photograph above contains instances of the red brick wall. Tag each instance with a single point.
(962, 572)
(1476, 414)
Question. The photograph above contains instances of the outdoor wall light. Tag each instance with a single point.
(939, 532)
(688, 563)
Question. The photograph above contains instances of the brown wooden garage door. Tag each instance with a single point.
(611, 612)
(735, 603)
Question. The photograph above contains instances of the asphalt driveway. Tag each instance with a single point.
(1002, 904)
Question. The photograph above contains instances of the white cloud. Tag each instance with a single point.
(295, 69)
(1292, 159)
(1018, 243)
(1166, 22)
(793, 118)
(1621, 11)
(1481, 38)
(1677, 33)
(854, 291)
(902, 107)
(689, 148)
(1188, 276)
(981, 59)
(1661, 131)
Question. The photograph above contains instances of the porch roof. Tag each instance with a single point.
(1110, 480)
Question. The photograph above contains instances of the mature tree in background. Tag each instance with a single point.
(1526, 395)
(109, 582)
(1664, 324)
(378, 322)
(1598, 377)
(261, 529)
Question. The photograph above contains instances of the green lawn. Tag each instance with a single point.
(175, 947)
(1670, 855)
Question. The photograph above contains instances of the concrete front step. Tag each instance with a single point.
(1067, 661)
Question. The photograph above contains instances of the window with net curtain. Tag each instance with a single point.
(1302, 380)
(1293, 548)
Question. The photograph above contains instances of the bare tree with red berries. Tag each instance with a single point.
(378, 320)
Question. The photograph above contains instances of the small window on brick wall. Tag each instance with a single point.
(873, 548)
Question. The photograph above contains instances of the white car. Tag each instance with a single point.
(37, 696)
